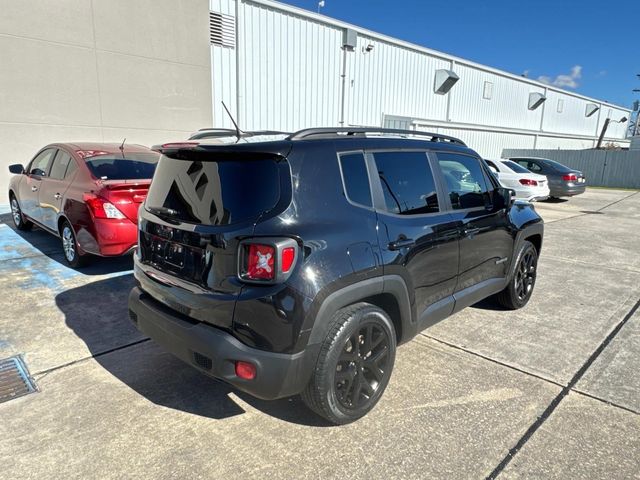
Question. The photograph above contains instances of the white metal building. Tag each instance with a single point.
(281, 67)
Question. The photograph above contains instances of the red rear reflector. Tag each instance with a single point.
(526, 181)
(260, 264)
(288, 256)
(245, 370)
(569, 178)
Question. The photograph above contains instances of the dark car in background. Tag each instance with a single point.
(87, 194)
(563, 181)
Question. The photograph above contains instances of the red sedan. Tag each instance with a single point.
(87, 194)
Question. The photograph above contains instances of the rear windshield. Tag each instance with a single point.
(515, 167)
(214, 193)
(556, 166)
(133, 166)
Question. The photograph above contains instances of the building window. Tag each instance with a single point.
(560, 105)
(487, 92)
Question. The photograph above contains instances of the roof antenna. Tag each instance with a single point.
(122, 145)
(238, 131)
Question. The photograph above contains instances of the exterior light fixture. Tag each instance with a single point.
(444, 81)
(591, 109)
(535, 100)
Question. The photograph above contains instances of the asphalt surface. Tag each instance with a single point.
(550, 391)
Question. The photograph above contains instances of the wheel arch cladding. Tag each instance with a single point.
(394, 301)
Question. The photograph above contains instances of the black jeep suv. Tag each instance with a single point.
(297, 265)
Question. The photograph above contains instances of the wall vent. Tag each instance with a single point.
(222, 30)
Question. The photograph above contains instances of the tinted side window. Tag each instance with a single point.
(407, 182)
(356, 180)
(60, 165)
(534, 167)
(465, 180)
(40, 164)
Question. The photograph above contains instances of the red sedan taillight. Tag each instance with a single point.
(266, 260)
(528, 182)
(571, 177)
(101, 208)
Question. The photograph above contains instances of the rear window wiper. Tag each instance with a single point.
(165, 213)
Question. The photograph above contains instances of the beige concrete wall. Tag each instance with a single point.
(100, 70)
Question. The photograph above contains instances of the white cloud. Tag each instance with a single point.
(564, 80)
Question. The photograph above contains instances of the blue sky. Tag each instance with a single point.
(591, 47)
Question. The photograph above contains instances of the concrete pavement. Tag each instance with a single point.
(550, 391)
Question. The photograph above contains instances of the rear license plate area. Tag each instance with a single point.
(168, 252)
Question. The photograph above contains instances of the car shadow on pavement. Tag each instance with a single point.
(98, 314)
(556, 200)
(38, 241)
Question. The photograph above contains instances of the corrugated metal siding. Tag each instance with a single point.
(487, 144)
(290, 66)
(615, 130)
(391, 79)
(290, 75)
(223, 72)
(572, 119)
(568, 143)
(508, 106)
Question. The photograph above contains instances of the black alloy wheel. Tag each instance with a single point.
(354, 364)
(523, 279)
(362, 366)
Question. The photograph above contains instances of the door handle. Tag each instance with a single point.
(401, 243)
(57, 196)
(470, 232)
(34, 189)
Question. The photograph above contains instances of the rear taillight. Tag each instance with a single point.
(526, 181)
(261, 261)
(267, 260)
(100, 208)
(571, 177)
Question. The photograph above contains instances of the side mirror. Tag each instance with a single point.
(16, 169)
(493, 169)
(503, 198)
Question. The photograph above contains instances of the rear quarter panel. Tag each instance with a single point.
(326, 226)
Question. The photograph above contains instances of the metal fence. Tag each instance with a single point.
(603, 168)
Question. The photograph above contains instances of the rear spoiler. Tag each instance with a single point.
(193, 150)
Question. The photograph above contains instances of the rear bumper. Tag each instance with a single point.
(214, 351)
(568, 190)
(115, 237)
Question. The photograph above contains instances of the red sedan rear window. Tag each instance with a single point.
(130, 166)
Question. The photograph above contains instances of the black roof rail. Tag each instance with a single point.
(353, 131)
(228, 132)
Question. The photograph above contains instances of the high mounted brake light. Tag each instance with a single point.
(266, 260)
(174, 146)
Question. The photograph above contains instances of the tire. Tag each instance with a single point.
(70, 247)
(348, 381)
(16, 214)
(517, 294)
